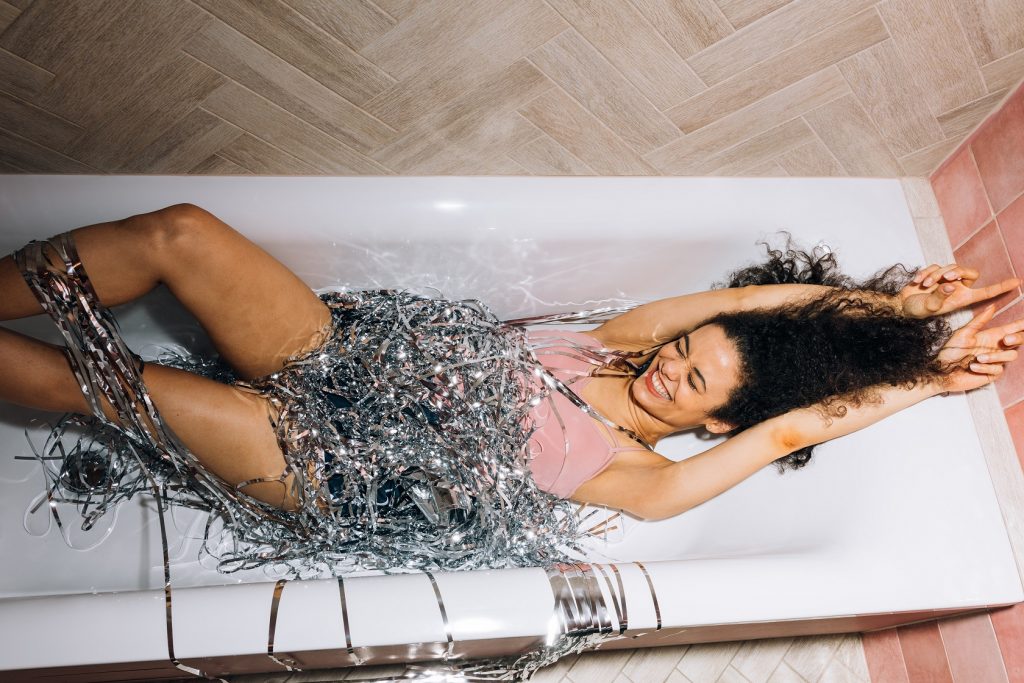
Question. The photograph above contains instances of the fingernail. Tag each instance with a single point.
(983, 358)
(948, 288)
(928, 282)
(1010, 339)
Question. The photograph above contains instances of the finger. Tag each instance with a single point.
(980, 319)
(997, 356)
(925, 273)
(998, 288)
(931, 276)
(964, 274)
(946, 273)
(986, 369)
(937, 299)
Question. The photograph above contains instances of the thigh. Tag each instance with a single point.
(256, 311)
(228, 429)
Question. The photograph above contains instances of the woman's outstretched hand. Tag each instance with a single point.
(938, 290)
(979, 355)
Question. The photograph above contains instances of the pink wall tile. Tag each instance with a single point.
(999, 152)
(1015, 418)
(1011, 384)
(961, 197)
(924, 654)
(972, 650)
(986, 252)
(1008, 623)
(884, 657)
(1011, 225)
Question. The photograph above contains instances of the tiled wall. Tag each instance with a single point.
(980, 193)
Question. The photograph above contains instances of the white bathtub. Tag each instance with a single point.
(893, 524)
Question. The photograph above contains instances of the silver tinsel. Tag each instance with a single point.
(405, 431)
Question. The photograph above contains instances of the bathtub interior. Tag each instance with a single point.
(901, 515)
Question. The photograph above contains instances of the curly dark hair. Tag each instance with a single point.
(833, 350)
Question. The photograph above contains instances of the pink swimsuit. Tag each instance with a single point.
(591, 443)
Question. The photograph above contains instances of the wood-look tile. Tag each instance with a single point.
(886, 89)
(580, 132)
(852, 138)
(817, 52)
(785, 674)
(1004, 72)
(575, 65)
(262, 158)
(687, 26)
(432, 30)
(653, 663)
(994, 28)
(285, 131)
(93, 84)
(923, 653)
(836, 672)
(8, 13)
(998, 150)
(22, 78)
(79, 25)
(924, 161)
(811, 160)
(140, 115)
(809, 656)
(768, 169)
(302, 43)
(758, 149)
(757, 659)
(6, 168)
(781, 30)
(957, 123)
(356, 23)
(515, 30)
(215, 164)
(971, 649)
(742, 12)
(544, 156)
(598, 667)
(948, 77)
(707, 661)
(850, 652)
(398, 9)
(38, 125)
(986, 251)
(35, 158)
(184, 144)
(472, 146)
(779, 107)
(468, 121)
(249, 64)
(622, 34)
(731, 675)
(920, 198)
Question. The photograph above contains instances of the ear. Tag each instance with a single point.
(718, 427)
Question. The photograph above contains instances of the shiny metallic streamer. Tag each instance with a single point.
(405, 432)
(584, 623)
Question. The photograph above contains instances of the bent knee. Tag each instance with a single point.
(184, 225)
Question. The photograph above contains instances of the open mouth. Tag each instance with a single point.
(656, 386)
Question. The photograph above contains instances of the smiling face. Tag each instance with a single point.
(688, 378)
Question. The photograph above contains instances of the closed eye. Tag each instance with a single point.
(689, 376)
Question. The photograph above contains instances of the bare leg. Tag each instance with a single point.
(120, 258)
(227, 429)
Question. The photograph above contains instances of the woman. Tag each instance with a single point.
(259, 316)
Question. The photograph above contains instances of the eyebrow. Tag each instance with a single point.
(686, 340)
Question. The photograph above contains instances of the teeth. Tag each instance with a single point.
(656, 380)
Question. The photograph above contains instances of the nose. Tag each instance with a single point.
(672, 368)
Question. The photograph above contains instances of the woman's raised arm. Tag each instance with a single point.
(975, 355)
